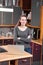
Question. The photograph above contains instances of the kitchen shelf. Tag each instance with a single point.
(1, 26)
(33, 26)
(14, 26)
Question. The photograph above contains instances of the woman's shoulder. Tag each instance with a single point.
(28, 28)
(15, 28)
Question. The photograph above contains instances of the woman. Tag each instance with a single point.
(22, 34)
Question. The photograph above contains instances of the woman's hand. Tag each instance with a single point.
(28, 37)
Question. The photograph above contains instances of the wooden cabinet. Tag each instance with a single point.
(25, 61)
(36, 51)
(22, 61)
(6, 41)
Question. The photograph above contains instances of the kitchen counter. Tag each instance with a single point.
(35, 41)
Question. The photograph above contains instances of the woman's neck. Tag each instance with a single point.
(22, 26)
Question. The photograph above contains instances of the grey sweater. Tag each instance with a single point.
(23, 35)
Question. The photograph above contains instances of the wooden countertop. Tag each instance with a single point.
(37, 41)
(6, 56)
(3, 37)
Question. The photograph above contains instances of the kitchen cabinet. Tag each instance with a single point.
(25, 61)
(36, 51)
(8, 41)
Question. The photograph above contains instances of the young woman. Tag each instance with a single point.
(22, 34)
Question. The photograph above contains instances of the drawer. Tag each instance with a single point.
(37, 52)
(25, 61)
(37, 49)
(36, 57)
(36, 45)
(8, 41)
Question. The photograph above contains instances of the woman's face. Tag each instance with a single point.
(23, 21)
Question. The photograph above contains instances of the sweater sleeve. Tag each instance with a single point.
(27, 39)
(16, 35)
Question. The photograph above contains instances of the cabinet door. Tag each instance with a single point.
(37, 52)
(25, 61)
(35, 8)
(8, 41)
(16, 14)
(7, 18)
